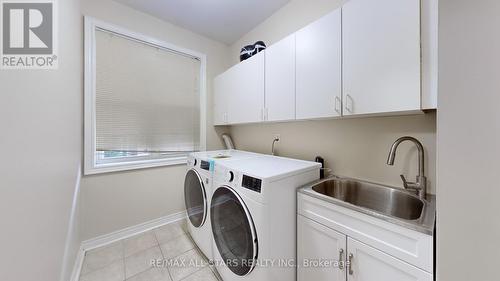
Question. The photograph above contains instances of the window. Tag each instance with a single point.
(144, 100)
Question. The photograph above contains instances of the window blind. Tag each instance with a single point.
(147, 99)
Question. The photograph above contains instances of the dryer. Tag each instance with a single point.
(198, 192)
(253, 217)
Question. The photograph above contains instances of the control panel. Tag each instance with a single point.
(205, 165)
(252, 183)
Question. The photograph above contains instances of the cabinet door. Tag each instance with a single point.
(316, 242)
(319, 68)
(280, 80)
(370, 264)
(221, 94)
(381, 56)
(246, 86)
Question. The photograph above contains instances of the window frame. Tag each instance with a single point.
(90, 165)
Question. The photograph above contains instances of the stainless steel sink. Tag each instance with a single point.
(389, 203)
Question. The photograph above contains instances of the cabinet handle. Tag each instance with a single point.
(341, 259)
(337, 102)
(349, 105)
(351, 257)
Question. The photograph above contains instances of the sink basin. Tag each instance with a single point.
(385, 200)
(393, 205)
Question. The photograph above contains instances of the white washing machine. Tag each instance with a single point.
(198, 191)
(253, 217)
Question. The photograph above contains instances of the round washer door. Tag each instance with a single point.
(195, 196)
(233, 230)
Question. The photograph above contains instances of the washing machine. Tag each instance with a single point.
(198, 191)
(253, 217)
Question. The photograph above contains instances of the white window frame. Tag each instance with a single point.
(90, 165)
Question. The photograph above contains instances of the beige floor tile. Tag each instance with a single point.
(186, 264)
(139, 243)
(170, 231)
(112, 272)
(101, 257)
(177, 246)
(153, 274)
(131, 258)
(204, 274)
(141, 261)
(183, 224)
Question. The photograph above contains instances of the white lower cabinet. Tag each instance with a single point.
(319, 243)
(370, 264)
(326, 254)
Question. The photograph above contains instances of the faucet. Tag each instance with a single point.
(420, 185)
(276, 139)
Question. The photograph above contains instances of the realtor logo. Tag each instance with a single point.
(28, 34)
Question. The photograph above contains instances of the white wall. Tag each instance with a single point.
(114, 201)
(468, 227)
(41, 122)
(352, 147)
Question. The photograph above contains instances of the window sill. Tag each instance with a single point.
(134, 165)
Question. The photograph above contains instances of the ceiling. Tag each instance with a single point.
(222, 20)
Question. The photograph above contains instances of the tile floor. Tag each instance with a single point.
(131, 259)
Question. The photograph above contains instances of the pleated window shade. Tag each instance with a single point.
(147, 100)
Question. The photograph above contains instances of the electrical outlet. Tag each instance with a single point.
(277, 137)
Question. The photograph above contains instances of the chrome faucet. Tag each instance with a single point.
(276, 139)
(420, 186)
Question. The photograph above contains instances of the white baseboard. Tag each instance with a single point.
(103, 240)
(78, 265)
(131, 231)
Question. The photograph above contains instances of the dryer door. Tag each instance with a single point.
(195, 196)
(233, 230)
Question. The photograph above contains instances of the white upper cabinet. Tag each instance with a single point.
(381, 56)
(367, 57)
(246, 102)
(319, 68)
(280, 80)
(221, 94)
(239, 96)
(429, 40)
(370, 264)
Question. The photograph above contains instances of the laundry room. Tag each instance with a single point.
(249, 140)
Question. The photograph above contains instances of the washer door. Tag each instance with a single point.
(233, 230)
(195, 196)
